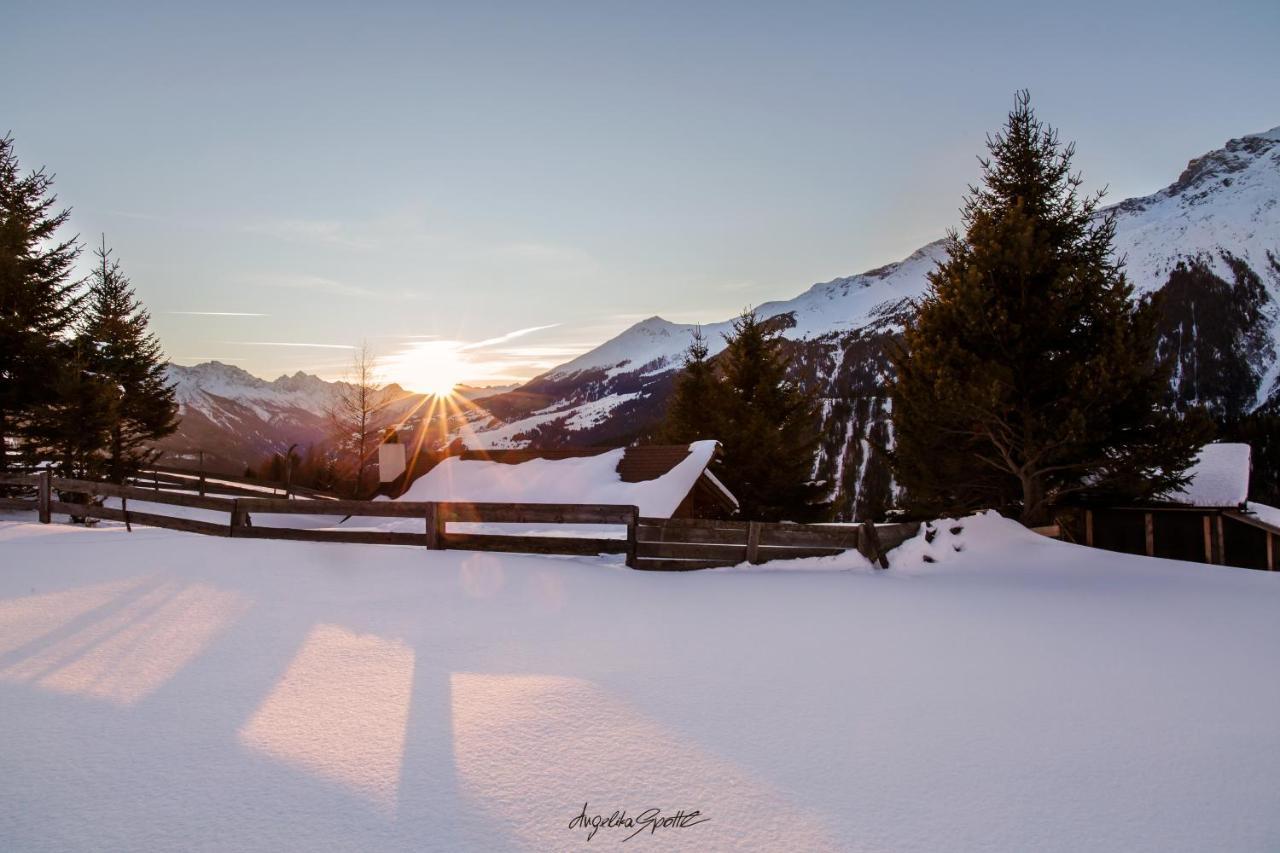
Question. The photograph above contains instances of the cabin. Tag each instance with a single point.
(1210, 520)
(665, 481)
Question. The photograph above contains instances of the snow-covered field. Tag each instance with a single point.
(162, 691)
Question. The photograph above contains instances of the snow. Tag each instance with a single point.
(1265, 514)
(581, 480)
(1219, 477)
(163, 691)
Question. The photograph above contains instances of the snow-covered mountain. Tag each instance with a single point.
(1210, 240)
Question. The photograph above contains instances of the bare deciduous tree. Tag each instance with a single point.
(355, 415)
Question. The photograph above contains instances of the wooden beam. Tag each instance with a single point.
(753, 542)
(675, 565)
(1208, 540)
(1149, 525)
(44, 493)
(1222, 543)
(534, 544)
(435, 528)
(1088, 527)
(147, 519)
(725, 555)
(1271, 551)
(633, 527)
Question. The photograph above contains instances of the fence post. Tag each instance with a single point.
(632, 530)
(869, 540)
(753, 541)
(434, 527)
(43, 497)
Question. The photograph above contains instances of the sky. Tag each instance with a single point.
(481, 191)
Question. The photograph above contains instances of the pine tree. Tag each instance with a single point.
(767, 425)
(1029, 373)
(693, 412)
(39, 302)
(75, 425)
(124, 352)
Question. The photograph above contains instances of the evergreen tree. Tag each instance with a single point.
(693, 412)
(39, 301)
(1029, 372)
(75, 424)
(124, 353)
(767, 425)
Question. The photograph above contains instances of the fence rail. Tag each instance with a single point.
(651, 543)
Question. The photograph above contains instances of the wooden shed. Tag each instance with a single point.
(1210, 520)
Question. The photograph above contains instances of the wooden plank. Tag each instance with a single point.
(533, 544)
(1208, 540)
(1149, 527)
(192, 476)
(532, 513)
(753, 542)
(803, 534)
(704, 523)
(652, 533)
(19, 504)
(89, 487)
(1220, 551)
(729, 555)
(347, 537)
(18, 479)
(1271, 552)
(676, 565)
(147, 519)
(1251, 520)
(379, 509)
(893, 535)
(774, 552)
(1088, 528)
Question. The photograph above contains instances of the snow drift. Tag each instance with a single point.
(163, 691)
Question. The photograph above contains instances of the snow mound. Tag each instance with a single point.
(582, 480)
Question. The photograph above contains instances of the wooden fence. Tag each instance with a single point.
(650, 543)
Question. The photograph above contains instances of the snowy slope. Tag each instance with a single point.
(162, 691)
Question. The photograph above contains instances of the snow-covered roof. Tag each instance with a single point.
(582, 480)
(1219, 477)
(1265, 514)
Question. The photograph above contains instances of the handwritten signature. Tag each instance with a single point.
(650, 819)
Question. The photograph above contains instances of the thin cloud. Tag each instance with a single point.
(218, 313)
(310, 231)
(509, 336)
(315, 283)
(286, 344)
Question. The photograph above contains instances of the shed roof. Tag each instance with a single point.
(656, 479)
(1219, 477)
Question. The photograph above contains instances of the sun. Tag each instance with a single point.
(428, 367)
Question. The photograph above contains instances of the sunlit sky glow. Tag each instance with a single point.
(502, 186)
